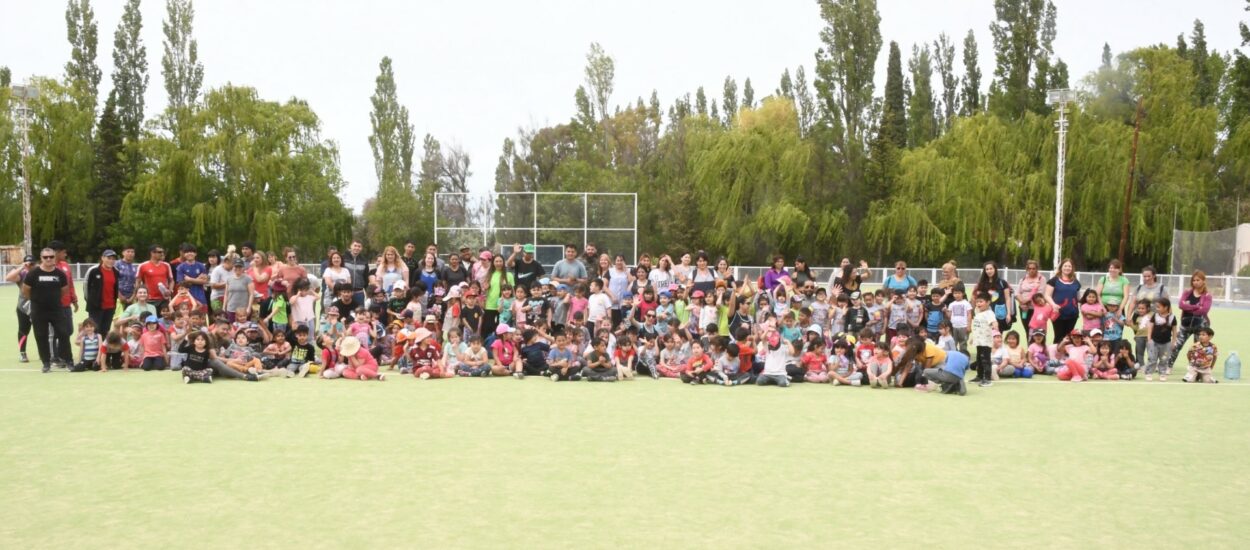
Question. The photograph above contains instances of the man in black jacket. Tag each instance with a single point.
(102, 292)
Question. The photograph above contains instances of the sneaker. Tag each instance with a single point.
(252, 371)
(46, 368)
(1163, 378)
(555, 377)
(405, 371)
(963, 388)
(575, 378)
(1078, 379)
(855, 383)
(251, 378)
(1149, 378)
(381, 378)
(24, 359)
(424, 376)
(186, 379)
(362, 378)
(655, 375)
(977, 380)
(208, 379)
(837, 382)
(303, 370)
(985, 383)
(923, 387)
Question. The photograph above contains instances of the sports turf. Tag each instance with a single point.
(133, 459)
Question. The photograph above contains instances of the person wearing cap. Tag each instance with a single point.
(191, 271)
(17, 275)
(503, 352)
(239, 291)
(528, 271)
(102, 288)
(45, 287)
(1076, 356)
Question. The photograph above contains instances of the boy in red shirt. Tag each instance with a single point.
(625, 358)
(746, 357)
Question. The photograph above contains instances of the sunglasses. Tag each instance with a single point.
(48, 257)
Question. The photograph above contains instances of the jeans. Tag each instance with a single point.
(948, 381)
(220, 369)
(1159, 357)
(983, 363)
(772, 380)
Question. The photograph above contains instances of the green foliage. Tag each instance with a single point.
(183, 72)
(944, 56)
(894, 109)
(130, 69)
(60, 166)
(110, 165)
(83, 34)
(970, 88)
(1022, 31)
(921, 110)
(245, 169)
(846, 66)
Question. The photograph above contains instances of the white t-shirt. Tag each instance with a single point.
(598, 307)
(959, 313)
(775, 360)
(216, 277)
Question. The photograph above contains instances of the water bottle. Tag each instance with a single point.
(1232, 367)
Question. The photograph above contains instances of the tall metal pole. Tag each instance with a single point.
(1062, 124)
(23, 94)
(1060, 98)
(1128, 188)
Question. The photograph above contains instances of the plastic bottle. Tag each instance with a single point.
(1232, 367)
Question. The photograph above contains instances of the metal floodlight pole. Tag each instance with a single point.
(585, 222)
(1060, 98)
(436, 195)
(24, 94)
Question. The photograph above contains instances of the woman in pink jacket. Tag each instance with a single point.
(1195, 304)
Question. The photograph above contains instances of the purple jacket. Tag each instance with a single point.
(772, 276)
(1195, 310)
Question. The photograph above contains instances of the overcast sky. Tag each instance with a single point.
(472, 72)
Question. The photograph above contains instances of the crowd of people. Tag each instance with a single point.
(251, 315)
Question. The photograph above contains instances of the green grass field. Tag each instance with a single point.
(138, 460)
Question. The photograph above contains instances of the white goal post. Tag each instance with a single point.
(547, 219)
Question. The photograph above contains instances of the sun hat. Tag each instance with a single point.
(452, 294)
(349, 345)
(421, 334)
(815, 328)
(502, 329)
(431, 319)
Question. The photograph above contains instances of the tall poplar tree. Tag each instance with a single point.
(82, 71)
(130, 69)
(944, 54)
(846, 65)
(396, 214)
(970, 88)
(921, 110)
(180, 64)
(894, 109)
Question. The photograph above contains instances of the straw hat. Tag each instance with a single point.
(349, 345)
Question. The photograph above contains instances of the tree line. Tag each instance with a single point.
(940, 164)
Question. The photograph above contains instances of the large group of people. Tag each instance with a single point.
(249, 314)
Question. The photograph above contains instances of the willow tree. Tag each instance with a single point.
(60, 166)
(251, 170)
(749, 187)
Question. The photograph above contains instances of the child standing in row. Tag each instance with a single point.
(984, 322)
(1162, 334)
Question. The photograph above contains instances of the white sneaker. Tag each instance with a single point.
(425, 376)
(555, 377)
(855, 382)
(837, 382)
(186, 379)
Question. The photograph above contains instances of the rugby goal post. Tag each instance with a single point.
(549, 220)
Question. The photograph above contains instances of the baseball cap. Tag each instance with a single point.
(108, 254)
(400, 285)
(855, 295)
(1095, 332)
(1037, 332)
(544, 281)
(485, 255)
(28, 259)
(697, 294)
(151, 319)
(528, 249)
(563, 288)
(431, 319)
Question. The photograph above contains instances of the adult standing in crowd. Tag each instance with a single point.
(332, 275)
(1150, 289)
(569, 271)
(428, 273)
(591, 260)
(69, 304)
(992, 285)
(192, 272)
(702, 277)
(239, 292)
(496, 278)
(481, 267)
(411, 261)
(681, 271)
(618, 285)
(455, 272)
(528, 270)
(724, 272)
(289, 272)
(157, 276)
(217, 282)
(433, 249)
(102, 286)
(261, 272)
(358, 265)
(1113, 288)
(899, 280)
(802, 272)
(1063, 293)
(127, 271)
(17, 275)
(950, 282)
(773, 276)
(1195, 304)
(1028, 287)
(391, 270)
(849, 278)
(46, 286)
(661, 276)
(247, 251)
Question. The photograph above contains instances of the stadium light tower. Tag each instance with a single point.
(1060, 99)
(23, 112)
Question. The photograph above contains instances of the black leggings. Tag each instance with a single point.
(983, 363)
(23, 330)
(1063, 327)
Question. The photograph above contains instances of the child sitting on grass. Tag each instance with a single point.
(1202, 356)
(1104, 363)
(88, 346)
(813, 362)
(195, 367)
(475, 361)
(599, 364)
